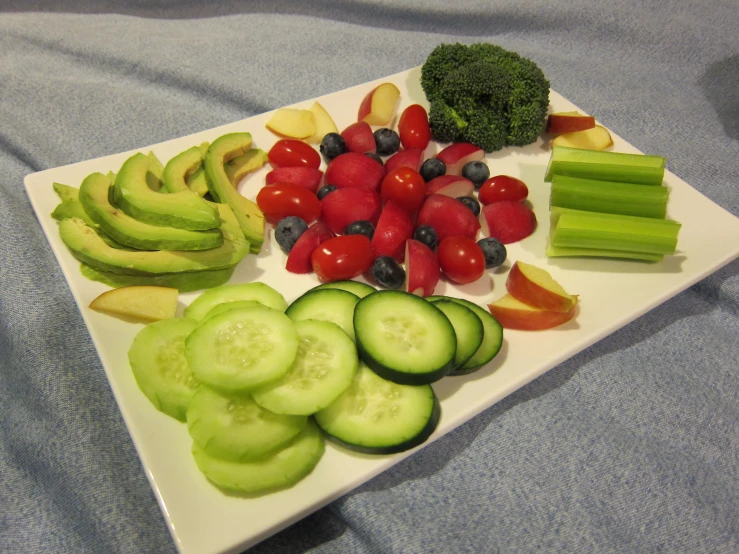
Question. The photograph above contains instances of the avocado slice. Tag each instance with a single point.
(197, 182)
(239, 167)
(179, 168)
(88, 247)
(183, 282)
(250, 217)
(93, 195)
(184, 209)
(155, 175)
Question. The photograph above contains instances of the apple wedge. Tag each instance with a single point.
(359, 138)
(145, 303)
(379, 105)
(597, 138)
(422, 268)
(536, 287)
(324, 124)
(456, 155)
(292, 123)
(450, 185)
(569, 122)
(514, 314)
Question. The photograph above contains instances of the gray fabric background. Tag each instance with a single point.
(630, 446)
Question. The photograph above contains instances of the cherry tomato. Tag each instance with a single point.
(461, 259)
(413, 127)
(503, 187)
(342, 257)
(280, 201)
(405, 187)
(293, 153)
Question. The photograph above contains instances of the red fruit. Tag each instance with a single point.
(347, 205)
(405, 158)
(450, 185)
(299, 259)
(405, 187)
(503, 187)
(359, 138)
(422, 268)
(457, 154)
(393, 228)
(508, 221)
(461, 259)
(306, 177)
(448, 217)
(413, 127)
(280, 201)
(293, 153)
(342, 258)
(355, 171)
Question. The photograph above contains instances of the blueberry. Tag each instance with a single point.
(471, 202)
(332, 145)
(494, 250)
(432, 168)
(375, 157)
(324, 190)
(387, 141)
(361, 227)
(288, 231)
(477, 172)
(388, 273)
(427, 235)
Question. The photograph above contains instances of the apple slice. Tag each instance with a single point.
(359, 138)
(347, 205)
(299, 258)
(146, 303)
(355, 171)
(393, 228)
(568, 122)
(324, 124)
(508, 221)
(456, 155)
(513, 314)
(379, 105)
(448, 217)
(536, 287)
(450, 185)
(292, 123)
(422, 268)
(597, 138)
(306, 177)
(405, 158)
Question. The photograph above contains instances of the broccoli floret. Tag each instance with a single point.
(485, 95)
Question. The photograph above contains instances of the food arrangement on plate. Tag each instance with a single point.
(380, 222)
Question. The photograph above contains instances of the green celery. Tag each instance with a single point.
(609, 197)
(638, 169)
(555, 252)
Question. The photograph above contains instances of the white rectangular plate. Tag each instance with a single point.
(612, 293)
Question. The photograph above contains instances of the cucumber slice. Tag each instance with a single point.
(264, 294)
(467, 327)
(220, 308)
(376, 416)
(323, 369)
(403, 338)
(355, 287)
(334, 305)
(242, 348)
(234, 427)
(157, 359)
(492, 339)
(281, 469)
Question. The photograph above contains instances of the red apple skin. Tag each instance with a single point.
(456, 155)
(299, 258)
(359, 138)
(413, 157)
(347, 205)
(422, 268)
(530, 320)
(509, 221)
(365, 107)
(448, 217)
(563, 123)
(450, 185)
(527, 291)
(393, 229)
(355, 171)
(306, 177)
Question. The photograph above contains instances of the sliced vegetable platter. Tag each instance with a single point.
(201, 518)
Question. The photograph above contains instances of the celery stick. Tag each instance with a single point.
(555, 252)
(609, 197)
(606, 166)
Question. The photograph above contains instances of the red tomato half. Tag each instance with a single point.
(461, 259)
(405, 187)
(279, 201)
(503, 187)
(293, 153)
(413, 127)
(343, 257)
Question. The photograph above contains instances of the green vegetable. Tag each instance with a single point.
(485, 95)
(638, 169)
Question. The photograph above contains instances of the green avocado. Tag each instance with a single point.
(155, 175)
(179, 168)
(250, 217)
(183, 282)
(239, 167)
(94, 194)
(196, 181)
(88, 247)
(184, 209)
